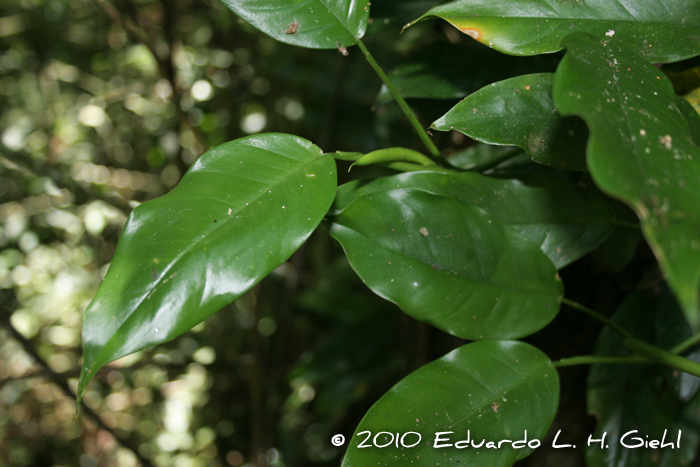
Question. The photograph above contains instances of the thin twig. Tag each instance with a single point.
(598, 359)
(40, 373)
(61, 180)
(62, 382)
(596, 315)
(165, 67)
(686, 344)
(422, 134)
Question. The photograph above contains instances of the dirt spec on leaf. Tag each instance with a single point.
(293, 28)
(342, 49)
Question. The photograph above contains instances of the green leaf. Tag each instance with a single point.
(449, 264)
(620, 247)
(520, 111)
(672, 329)
(490, 390)
(447, 71)
(640, 151)
(564, 220)
(691, 116)
(660, 32)
(317, 24)
(481, 157)
(240, 211)
(634, 396)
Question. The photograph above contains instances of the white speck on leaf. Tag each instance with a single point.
(666, 141)
(610, 33)
(424, 232)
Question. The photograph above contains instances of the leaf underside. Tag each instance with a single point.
(658, 31)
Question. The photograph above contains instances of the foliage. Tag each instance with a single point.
(481, 242)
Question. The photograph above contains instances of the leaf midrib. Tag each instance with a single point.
(190, 248)
(459, 274)
(578, 220)
(347, 28)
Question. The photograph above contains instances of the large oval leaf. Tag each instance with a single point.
(520, 111)
(659, 31)
(640, 151)
(564, 220)
(491, 390)
(449, 264)
(240, 211)
(317, 24)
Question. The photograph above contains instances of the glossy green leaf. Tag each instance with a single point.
(449, 264)
(240, 211)
(564, 220)
(484, 391)
(634, 396)
(447, 71)
(520, 111)
(317, 24)
(640, 151)
(659, 31)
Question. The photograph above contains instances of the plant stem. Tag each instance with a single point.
(404, 106)
(484, 166)
(662, 356)
(686, 344)
(596, 315)
(394, 155)
(622, 223)
(410, 167)
(592, 359)
(644, 352)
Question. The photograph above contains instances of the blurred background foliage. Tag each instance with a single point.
(105, 105)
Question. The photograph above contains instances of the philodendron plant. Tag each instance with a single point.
(472, 251)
